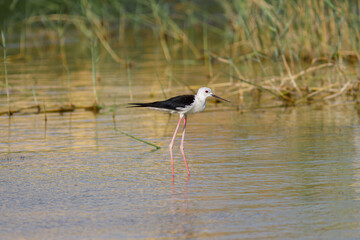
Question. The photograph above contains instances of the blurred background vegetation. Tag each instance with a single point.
(300, 29)
(298, 51)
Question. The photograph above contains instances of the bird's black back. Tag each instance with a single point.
(172, 103)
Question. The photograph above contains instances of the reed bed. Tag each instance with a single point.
(309, 45)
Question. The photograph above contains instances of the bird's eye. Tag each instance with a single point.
(206, 91)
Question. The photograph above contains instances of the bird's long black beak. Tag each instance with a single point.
(219, 98)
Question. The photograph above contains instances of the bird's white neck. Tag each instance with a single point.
(200, 104)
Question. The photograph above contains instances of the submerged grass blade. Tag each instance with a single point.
(136, 138)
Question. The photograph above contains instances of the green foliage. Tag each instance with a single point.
(299, 37)
(305, 29)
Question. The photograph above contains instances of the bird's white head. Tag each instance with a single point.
(205, 92)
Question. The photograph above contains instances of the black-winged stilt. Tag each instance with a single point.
(184, 105)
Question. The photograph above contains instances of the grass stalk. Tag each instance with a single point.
(291, 76)
(207, 58)
(34, 95)
(161, 32)
(6, 73)
(128, 71)
(161, 86)
(66, 67)
(210, 68)
(279, 42)
(45, 115)
(257, 86)
(122, 24)
(138, 139)
(99, 31)
(170, 76)
(94, 61)
(132, 136)
(61, 31)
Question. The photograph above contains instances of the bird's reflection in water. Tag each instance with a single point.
(183, 219)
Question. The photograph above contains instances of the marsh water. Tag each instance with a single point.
(270, 173)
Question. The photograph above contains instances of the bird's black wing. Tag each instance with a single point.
(172, 103)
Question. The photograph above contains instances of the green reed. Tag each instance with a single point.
(45, 115)
(6, 73)
(94, 60)
(129, 135)
(294, 36)
(34, 93)
(161, 85)
(307, 29)
(128, 71)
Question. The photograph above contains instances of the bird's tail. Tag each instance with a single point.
(130, 105)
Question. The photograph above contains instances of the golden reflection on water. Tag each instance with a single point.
(287, 172)
(265, 174)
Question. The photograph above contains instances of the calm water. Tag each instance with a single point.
(265, 174)
(275, 174)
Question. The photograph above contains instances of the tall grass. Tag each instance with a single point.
(296, 29)
(6, 73)
(128, 71)
(94, 60)
(297, 38)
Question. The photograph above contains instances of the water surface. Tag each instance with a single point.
(274, 174)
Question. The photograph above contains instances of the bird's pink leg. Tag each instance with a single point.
(171, 145)
(182, 145)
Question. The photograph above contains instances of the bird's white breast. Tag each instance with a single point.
(195, 107)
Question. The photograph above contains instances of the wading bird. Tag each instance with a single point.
(183, 105)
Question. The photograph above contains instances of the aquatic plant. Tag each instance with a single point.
(6, 73)
(279, 43)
